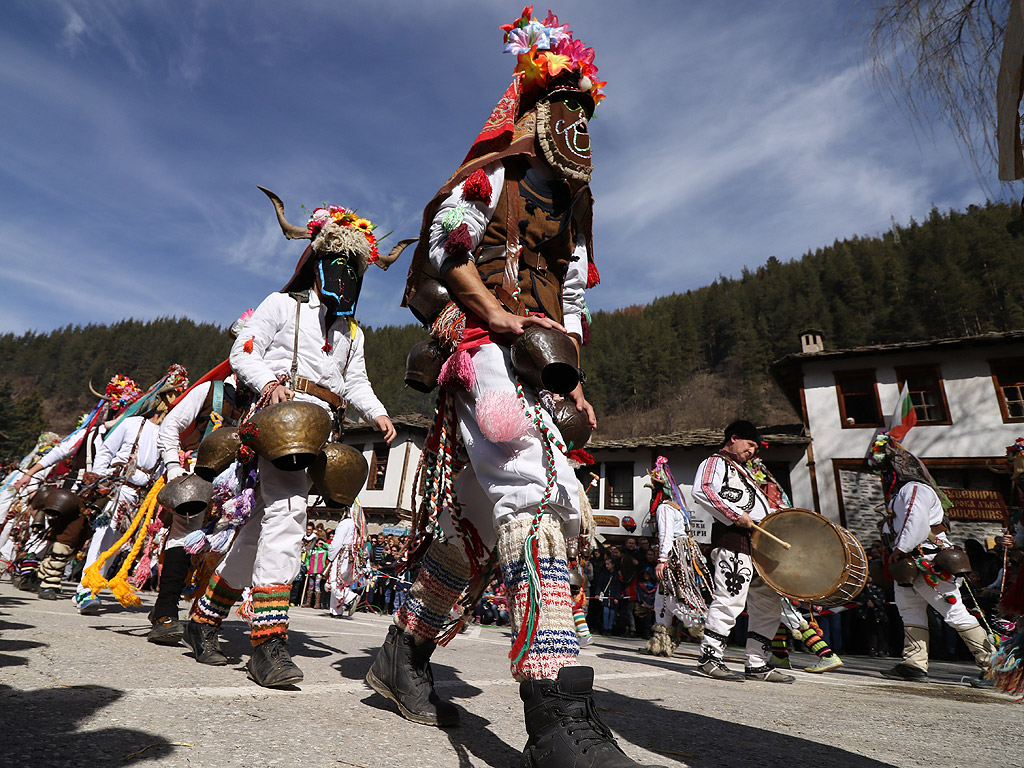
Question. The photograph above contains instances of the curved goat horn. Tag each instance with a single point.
(291, 231)
(101, 397)
(386, 261)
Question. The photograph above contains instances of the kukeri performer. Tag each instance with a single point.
(12, 498)
(509, 235)
(216, 401)
(127, 463)
(326, 367)
(916, 526)
(344, 554)
(807, 631)
(725, 488)
(682, 573)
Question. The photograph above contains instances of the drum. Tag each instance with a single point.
(826, 564)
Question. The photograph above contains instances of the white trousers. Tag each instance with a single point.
(102, 539)
(507, 479)
(340, 593)
(737, 586)
(181, 527)
(913, 602)
(268, 548)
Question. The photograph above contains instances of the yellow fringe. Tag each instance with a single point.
(93, 579)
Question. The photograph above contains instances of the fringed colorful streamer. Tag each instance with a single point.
(93, 579)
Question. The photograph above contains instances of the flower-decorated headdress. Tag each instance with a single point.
(121, 391)
(546, 51)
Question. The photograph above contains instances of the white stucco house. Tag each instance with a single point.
(968, 394)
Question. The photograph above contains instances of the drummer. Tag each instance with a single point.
(725, 488)
(303, 343)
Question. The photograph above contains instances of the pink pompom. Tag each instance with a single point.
(501, 418)
(457, 373)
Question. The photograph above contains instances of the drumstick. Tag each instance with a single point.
(772, 536)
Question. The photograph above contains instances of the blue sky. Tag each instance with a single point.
(134, 133)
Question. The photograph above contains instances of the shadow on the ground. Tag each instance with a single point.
(42, 726)
(699, 741)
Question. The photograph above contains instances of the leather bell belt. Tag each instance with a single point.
(304, 385)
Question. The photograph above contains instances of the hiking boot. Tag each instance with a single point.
(827, 663)
(202, 639)
(48, 593)
(166, 631)
(767, 675)
(563, 725)
(713, 667)
(905, 673)
(271, 665)
(401, 672)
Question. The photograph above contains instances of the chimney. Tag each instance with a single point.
(810, 342)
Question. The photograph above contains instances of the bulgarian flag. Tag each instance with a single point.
(904, 417)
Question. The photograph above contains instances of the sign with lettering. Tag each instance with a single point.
(978, 504)
(606, 521)
(701, 522)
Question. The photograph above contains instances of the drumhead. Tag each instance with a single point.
(815, 566)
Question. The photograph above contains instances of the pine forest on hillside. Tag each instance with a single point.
(695, 359)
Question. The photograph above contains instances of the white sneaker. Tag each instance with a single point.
(832, 661)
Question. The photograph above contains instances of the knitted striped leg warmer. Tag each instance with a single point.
(780, 645)
(813, 640)
(214, 606)
(269, 612)
(548, 641)
(444, 573)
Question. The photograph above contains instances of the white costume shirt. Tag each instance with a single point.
(917, 509)
(671, 524)
(477, 215)
(272, 332)
(181, 417)
(340, 551)
(727, 491)
(117, 447)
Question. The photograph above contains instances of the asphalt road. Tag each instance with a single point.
(90, 691)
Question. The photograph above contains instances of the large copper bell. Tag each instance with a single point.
(39, 498)
(574, 425)
(954, 561)
(423, 365)
(216, 452)
(430, 298)
(546, 359)
(291, 433)
(903, 572)
(187, 495)
(61, 502)
(338, 473)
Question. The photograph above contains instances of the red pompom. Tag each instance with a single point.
(247, 347)
(581, 457)
(586, 333)
(593, 276)
(459, 241)
(327, 347)
(477, 187)
(246, 454)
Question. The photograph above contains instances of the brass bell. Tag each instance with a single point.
(187, 495)
(60, 501)
(290, 434)
(39, 498)
(338, 473)
(546, 359)
(423, 365)
(216, 452)
(573, 424)
(430, 299)
(954, 561)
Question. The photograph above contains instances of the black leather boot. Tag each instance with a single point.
(165, 631)
(202, 639)
(48, 593)
(172, 581)
(563, 726)
(402, 673)
(271, 665)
